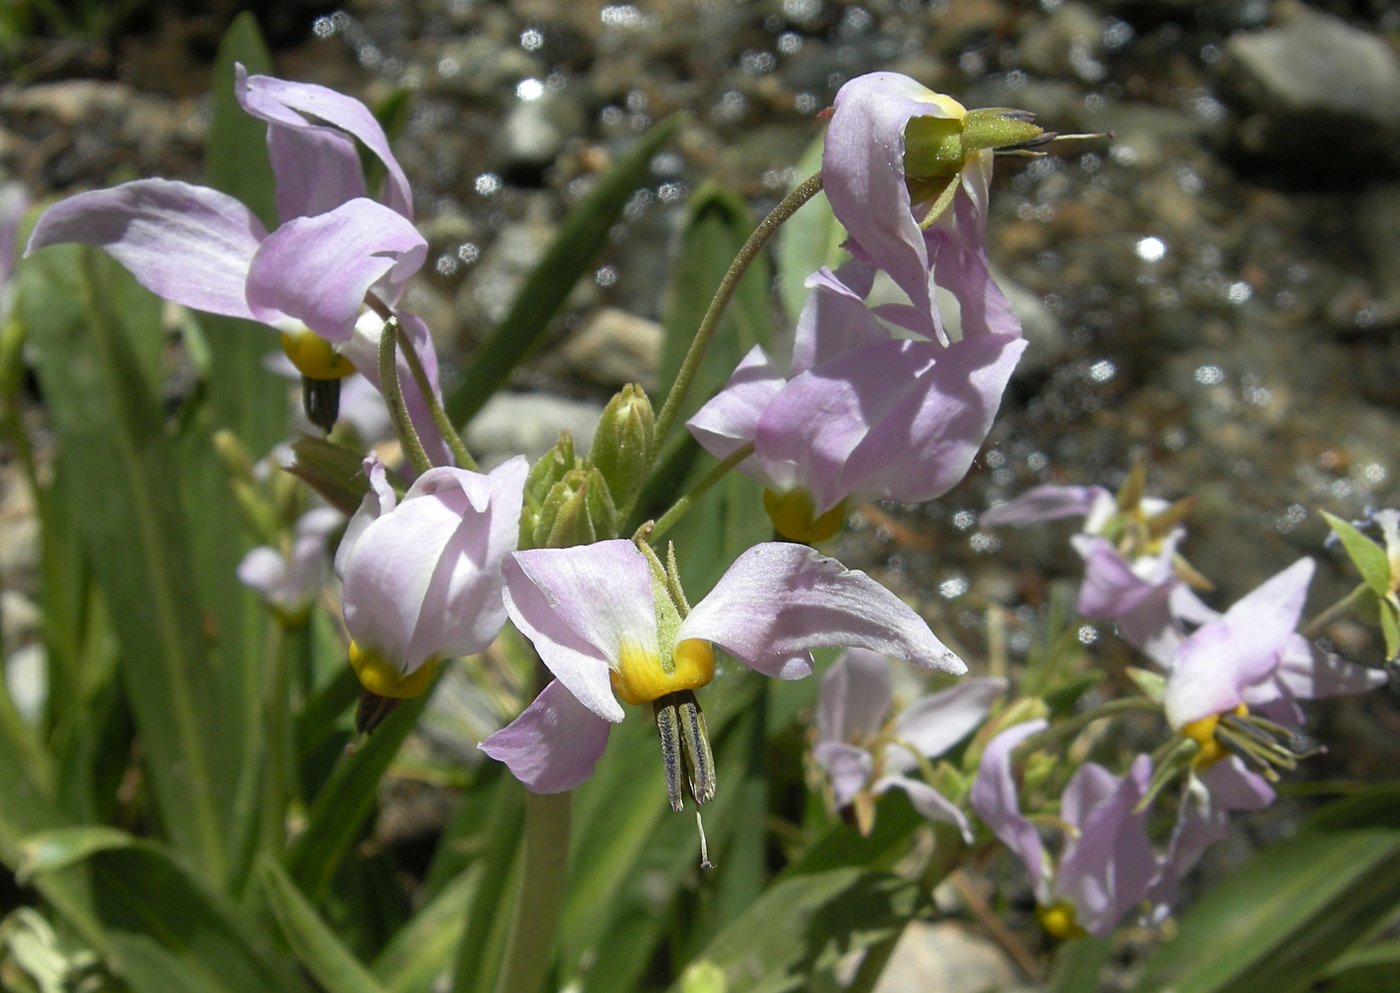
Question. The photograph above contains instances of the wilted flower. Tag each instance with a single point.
(1106, 863)
(607, 622)
(864, 754)
(422, 575)
(290, 582)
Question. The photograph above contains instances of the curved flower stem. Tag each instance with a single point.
(1069, 728)
(678, 509)
(541, 897)
(765, 230)
(440, 418)
(392, 391)
(1318, 624)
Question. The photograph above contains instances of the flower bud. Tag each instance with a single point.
(544, 474)
(578, 511)
(622, 446)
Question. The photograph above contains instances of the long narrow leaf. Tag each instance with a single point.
(111, 431)
(580, 238)
(315, 944)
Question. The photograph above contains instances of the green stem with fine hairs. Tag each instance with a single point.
(392, 392)
(701, 342)
(678, 509)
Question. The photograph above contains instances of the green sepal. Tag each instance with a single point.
(997, 127)
(622, 445)
(334, 471)
(1368, 557)
(544, 474)
(578, 510)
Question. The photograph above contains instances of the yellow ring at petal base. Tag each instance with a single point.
(639, 677)
(794, 516)
(1059, 921)
(314, 356)
(383, 678)
(1202, 732)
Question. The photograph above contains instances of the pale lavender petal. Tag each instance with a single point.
(1045, 503)
(835, 319)
(730, 419)
(425, 580)
(185, 243)
(863, 175)
(1221, 659)
(306, 105)
(959, 264)
(923, 445)
(318, 269)
(994, 797)
(264, 571)
(936, 723)
(819, 418)
(379, 500)
(779, 600)
(855, 696)
(1308, 673)
(927, 801)
(1114, 587)
(14, 201)
(553, 745)
(1203, 819)
(1110, 865)
(317, 169)
(847, 766)
(578, 605)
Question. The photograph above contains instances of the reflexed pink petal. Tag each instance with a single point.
(1114, 588)
(855, 696)
(928, 801)
(994, 796)
(1306, 672)
(1045, 503)
(847, 766)
(923, 445)
(577, 605)
(959, 261)
(318, 269)
(835, 319)
(380, 500)
(779, 600)
(863, 176)
(317, 169)
(730, 419)
(185, 243)
(1222, 658)
(306, 105)
(425, 579)
(552, 746)
(1110, 865)
(936, 723)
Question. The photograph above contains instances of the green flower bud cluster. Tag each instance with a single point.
(573, 500)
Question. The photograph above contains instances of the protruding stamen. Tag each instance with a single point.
(668, 728)
(320, 398)
(695, 746)
(372, 710)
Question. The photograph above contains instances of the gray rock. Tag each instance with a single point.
(1316, 95)
(1067, 43)
(612, 349)
(945, 958)
(512, 423)
(535, 131)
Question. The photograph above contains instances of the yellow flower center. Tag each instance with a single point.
(314, 356)
(1203, 733)
(641, 678)
(384, 678)
(1058, 921)
(794, 516)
